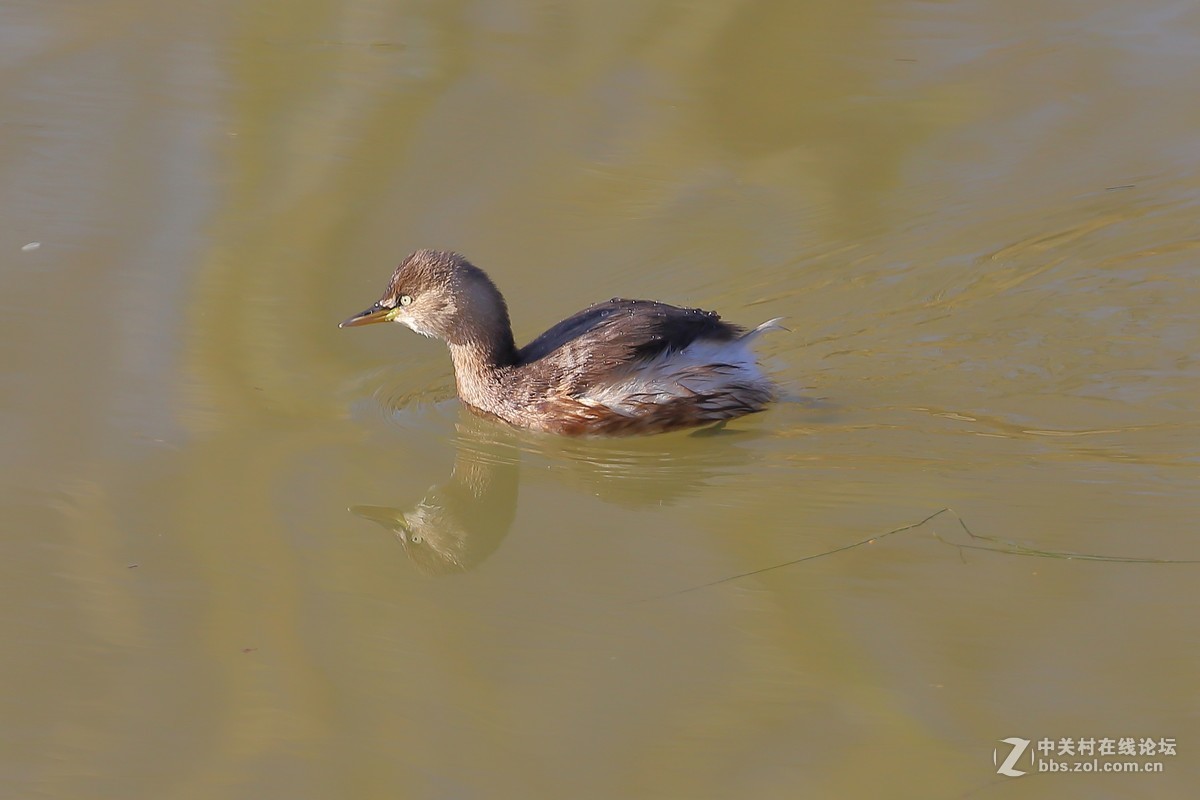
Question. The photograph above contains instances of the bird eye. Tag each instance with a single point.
(405, 299)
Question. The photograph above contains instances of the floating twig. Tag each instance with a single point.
(994, 545)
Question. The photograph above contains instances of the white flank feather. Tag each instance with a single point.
(704, 367)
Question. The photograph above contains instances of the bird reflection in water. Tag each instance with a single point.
(461, 522)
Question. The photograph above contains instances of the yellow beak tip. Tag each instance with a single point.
(369, 317)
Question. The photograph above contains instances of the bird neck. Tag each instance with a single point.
(479, 360)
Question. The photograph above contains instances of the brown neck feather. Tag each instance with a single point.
(479, 359)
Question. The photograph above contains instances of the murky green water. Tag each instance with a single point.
(249, 555)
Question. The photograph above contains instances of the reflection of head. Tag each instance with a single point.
(458, 524)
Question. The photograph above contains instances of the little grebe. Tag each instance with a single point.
(620, 367)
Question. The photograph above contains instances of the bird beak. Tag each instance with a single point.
(375, 313)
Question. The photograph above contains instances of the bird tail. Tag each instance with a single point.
(769, 325)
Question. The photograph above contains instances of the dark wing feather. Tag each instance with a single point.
(597, 344)
(636, 329)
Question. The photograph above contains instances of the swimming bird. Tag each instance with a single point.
(618, 367)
